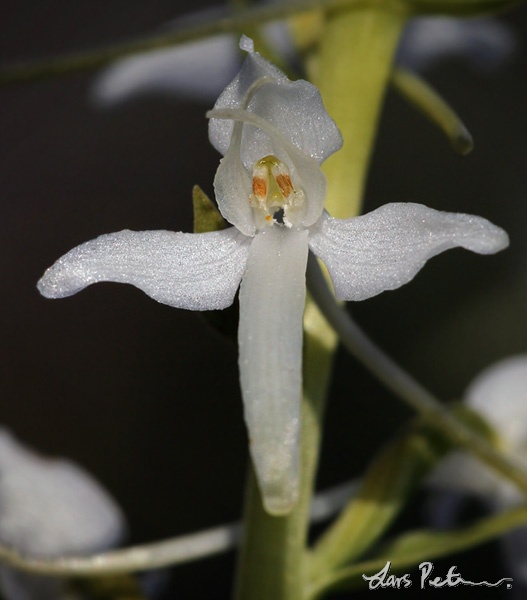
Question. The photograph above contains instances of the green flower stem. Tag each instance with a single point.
(272, 551)
(432, 105)
(356, 54)
(272, 555)
(404, 386)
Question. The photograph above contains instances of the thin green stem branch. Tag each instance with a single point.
(136, 558)
(173, 551)
(47, 68)
(423, 96)
(403, 385)
(233, 22)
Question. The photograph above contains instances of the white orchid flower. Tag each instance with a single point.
(49, 508)
(273, 133)
(499, 394)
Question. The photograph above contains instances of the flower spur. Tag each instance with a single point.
(274, 134)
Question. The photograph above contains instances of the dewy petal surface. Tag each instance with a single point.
(386, 248)
(293, 107)
(232, 187)
(185, 270)
(272, 298)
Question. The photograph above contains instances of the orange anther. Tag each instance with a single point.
(285, 185)
(259, 187)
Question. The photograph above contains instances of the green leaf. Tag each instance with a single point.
(410, 549)
(206, 216)
(389, 481)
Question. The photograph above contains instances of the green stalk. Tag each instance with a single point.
(272, 554)
(355, 66)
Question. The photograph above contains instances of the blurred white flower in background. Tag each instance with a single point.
(200, 70)
(197, 70)
(499, 395)
(50, 508)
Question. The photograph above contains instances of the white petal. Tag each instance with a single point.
(234, 95)
(272, 299)
(499, 393)
(293, 107)
(233, 186)
(196, 70)
(52, 507)
(185, 270)
(386, 248)
(232, 192)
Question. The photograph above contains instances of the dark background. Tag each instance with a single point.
(145, 396)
